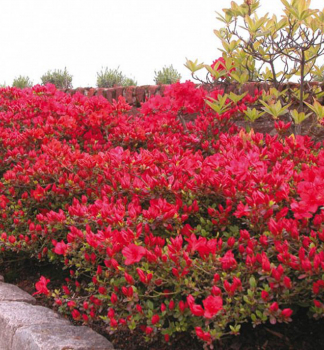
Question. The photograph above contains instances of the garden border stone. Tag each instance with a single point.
(25, 326)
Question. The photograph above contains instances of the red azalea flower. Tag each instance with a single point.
(41, 286)
(286, 313)
(212, 305)
(133, 253)
(203, 335)
(155, 319)
(76, 314)
(228, 261)
(60, 248)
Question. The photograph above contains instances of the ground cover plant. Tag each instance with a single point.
(164, 225)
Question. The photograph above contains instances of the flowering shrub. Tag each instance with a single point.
(164, 224)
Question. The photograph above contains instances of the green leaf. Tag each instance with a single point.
(150, 305)
(299, 117)
(252, 114)
(317, 108)
(194, 66)
(275, 109)
(252, 282)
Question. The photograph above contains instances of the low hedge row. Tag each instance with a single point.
(165, 225)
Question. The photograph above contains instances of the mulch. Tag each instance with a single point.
(303, 333)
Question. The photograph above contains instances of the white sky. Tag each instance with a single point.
(139, 36)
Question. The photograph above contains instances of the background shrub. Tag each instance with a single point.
(61, 79)
(168, 75)
(22, 82)
(108, 78)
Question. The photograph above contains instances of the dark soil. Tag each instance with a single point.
(302, 334)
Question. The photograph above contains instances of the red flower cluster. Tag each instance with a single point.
(164, 222)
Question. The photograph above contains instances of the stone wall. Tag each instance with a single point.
(26, 326)
(136, 95)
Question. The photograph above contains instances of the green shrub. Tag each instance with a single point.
(295, 41)
(61, 79)
(108, 78)
(129, 82)
(168, 75)
(22, 82)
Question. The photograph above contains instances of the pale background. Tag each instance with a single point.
(139, 36)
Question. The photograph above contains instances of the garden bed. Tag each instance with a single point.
(303, 333)
(180, 231)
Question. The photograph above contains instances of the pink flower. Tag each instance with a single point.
(60, 248)
(274, 307)
(195, 309)
(203, 335)
(155, 319)
(264, 295)
(133, 253)
(228, 261)
(148, 330)
(76, 314)
(102, 290)
(113, 298)
(212, 305)
(286, 313)
(41, 286)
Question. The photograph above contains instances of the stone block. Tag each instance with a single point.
(14, 315)
(140, 94)
(153, 90)
(99, 91)
(10, 292)
(46, 337)
(129, 93)
(119, 92)
(161, 89)
(92, 92)
(80, 90)
(111, 94)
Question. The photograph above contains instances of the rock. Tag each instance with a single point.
(10, 292)
(46, 337)
(14, 315)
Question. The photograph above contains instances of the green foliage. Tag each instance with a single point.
(318, 72)
(129, 82)
(108, 78)
(22, 82)
(168, 75)
(61, 79)
(258, 44)
(273, 50)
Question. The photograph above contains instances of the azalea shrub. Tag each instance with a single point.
(165, 223)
